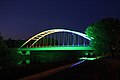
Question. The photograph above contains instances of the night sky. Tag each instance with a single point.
(21, 19)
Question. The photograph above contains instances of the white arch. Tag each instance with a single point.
(45, 33)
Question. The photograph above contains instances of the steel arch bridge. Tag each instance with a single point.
(41, 35)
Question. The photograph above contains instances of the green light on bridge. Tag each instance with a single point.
(58, 48)
(85, 58)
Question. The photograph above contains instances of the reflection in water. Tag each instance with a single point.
(24, 65)
(48, 57)
(52, 57)
(43, 57)
(26, 61)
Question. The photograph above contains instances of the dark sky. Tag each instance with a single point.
(21, 19)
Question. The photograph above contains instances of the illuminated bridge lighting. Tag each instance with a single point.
(85, 58)
(73, 38)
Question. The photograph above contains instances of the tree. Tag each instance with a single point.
(104, 35)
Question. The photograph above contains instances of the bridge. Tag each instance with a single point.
(57, 39)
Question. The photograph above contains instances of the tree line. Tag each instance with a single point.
(105, 36)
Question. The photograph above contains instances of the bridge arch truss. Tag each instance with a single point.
(40, 35)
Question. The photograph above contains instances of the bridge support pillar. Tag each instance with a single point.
(24, 52)
(27, 53)
(20, 52)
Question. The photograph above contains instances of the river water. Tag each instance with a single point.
(24, 65)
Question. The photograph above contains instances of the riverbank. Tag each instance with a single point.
(107, 68)
(20, 71)
(102, 69)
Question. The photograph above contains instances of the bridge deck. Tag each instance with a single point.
(58, 48)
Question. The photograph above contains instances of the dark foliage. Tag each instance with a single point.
(105, 34)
